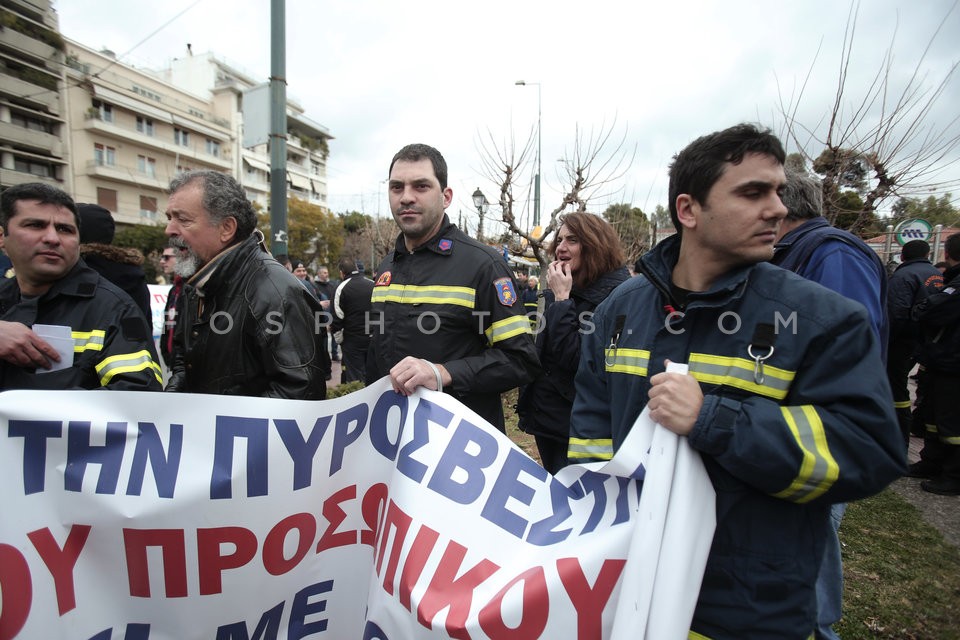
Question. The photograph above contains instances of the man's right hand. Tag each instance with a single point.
(20, 346)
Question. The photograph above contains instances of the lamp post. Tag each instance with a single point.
(482, 204)
(536, 183)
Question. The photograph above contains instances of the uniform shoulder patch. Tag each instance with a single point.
(445, 244)
(505, 292)
(384, 279)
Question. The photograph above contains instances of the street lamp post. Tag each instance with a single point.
(482, 204)
(536, 183)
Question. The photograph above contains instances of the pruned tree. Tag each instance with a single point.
(314, 235)
(597, 161)
(632, 227)
(880, 140)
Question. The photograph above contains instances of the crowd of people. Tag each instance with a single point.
(785, 322)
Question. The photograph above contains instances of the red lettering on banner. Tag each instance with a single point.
(16, 591)
(335, 516)
(136, 541)
(423, 545)
(60, 562)
(211, 563)
(589, 601)
(536, 608)
(273, 560)
(401, 525)
(372, 507)
(446, 590)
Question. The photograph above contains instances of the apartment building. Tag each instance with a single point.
(239, 97)
(131, 132)
(32, 114)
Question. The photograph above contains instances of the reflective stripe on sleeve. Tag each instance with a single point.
(127, 363)
(507, 328)
(630, 361)
(597, 449)
(88, 340)
(819, 470)
(739, 373)
(417, 294)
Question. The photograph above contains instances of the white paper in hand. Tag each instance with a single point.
(59, 337)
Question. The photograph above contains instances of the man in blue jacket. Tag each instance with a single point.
(810, 247)
(782, 399)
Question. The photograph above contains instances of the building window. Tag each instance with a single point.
(107, 198)
(183, 168)
(148, 207)
(104, 155)
(28, 122)
(213, 148)
(106, 112)
(145, 125)
(181, 137)
(42, 169)
(147, 165)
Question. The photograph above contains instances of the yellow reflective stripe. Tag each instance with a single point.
(599, 449)
(88, 340)
(904, 404)
(819, 470)
(126, 363)
(950, 439)
(417, 294)
(930, 428)
(631, 361)
(739, 373)
(507, 328)
(693, 635)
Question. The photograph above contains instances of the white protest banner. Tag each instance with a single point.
(372, 516)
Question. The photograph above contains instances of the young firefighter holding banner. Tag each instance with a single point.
(785, 397)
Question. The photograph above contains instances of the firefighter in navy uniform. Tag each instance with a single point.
(112, 346)
(785, 398)
(446, 314)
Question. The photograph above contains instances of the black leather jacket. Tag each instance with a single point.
(248, 327)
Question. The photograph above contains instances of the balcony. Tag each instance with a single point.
(126, 175)
(11, 177)
(39, 51)
(37, 141)
(168, 148)
(24, 91)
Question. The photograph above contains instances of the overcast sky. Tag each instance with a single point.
(381, 74)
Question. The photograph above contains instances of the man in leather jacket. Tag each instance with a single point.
(246, 325)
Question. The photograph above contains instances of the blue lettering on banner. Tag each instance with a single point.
(380, 423)
(35, 434)
(425, 412)
(372, 632)
(268, 627)
(302, 451)
(507, 486)
(80, 454)
(135, 631)
(455, 457)
(344, 435)
(544, 532)
(164, 465)
(593, 483)
(228, 429)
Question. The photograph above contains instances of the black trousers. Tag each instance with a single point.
(899, 363)
(553, 453)
(353, 359)
(941, 440)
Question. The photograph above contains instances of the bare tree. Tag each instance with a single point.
(883, 143)
(598, 160)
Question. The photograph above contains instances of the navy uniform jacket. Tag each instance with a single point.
(453, 301)
(113, 347)
(781, 443)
